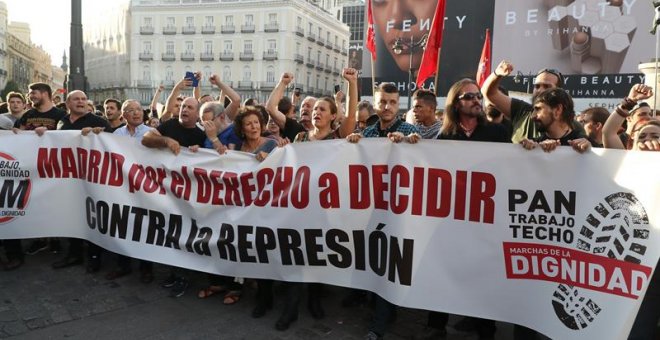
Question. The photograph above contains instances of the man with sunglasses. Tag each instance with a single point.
(465, 120)
(518, 111)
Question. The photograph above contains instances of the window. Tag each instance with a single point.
(320, 32)
(335, 62)
(297, 48)
(190, 21)
(147, 21)
(207, 73)
(318, 56)
(272, 18)
(189, 46)
(169, 73)
(327, 60)
(271, 46)
(270, 74)
(249, 19)
(327, 37)
(247, 46)
(228, 46)
(229, 20)
(309, 53)
(169, 47)
(209, 20)
(247, 73)
(170, 21)
(299, 22)
(208, 46)
(146, 46)
(226, 73)
(309, 79)
(336, 40)
(146, 72)
(310, 27)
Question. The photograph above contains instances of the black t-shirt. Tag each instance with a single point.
(33, 119)
(292, 128)
(185, 136)
(113, 129)
(574, 134)
(88, 120)
(488, 132)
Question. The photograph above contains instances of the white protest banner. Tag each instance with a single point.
(483, 229)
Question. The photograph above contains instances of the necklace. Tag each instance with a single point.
(468, 132)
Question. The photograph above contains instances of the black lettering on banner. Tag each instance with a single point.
(313, 248)
(201, 245)
(225, 243)
(191, 235)
(174, 232)
(244, 244)
(9, 197)
(359, 244)
(264, 240)
(139, 213)
(401, 261)
(119, 220)
(89, 209)
(102, 215)
(343, 257)
(290, 243)
(156, 228)
(378, 250)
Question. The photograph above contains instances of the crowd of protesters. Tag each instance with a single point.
(471, 113)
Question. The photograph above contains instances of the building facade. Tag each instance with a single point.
(3, 45)
(20, 66)
(248, 43)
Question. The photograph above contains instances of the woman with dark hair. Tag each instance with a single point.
(249, 126)
(324, 114)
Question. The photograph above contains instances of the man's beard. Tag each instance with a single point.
(540, 127)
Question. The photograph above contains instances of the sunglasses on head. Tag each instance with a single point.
(555, 73)
(470, 96)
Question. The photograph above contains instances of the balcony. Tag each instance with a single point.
(320, 41)
(226, 29)
(187, 56)
(327, 69)
(311, 36)
(144, 83)
(146, 56)
(270, 55)
(319, 66)
(188, 30)
(336, 71)
(208, 29)
(268, 85)
(298, 58)
(168, 57)
(227, 56)
(271, 27)
(168, 30)
(310, 62)
(146, 30)
(311, 90)
(328, 45)
(245, 85)
(300, 32)
(344, 52)
(168, 83)
(246, 56)
(206, 56)
(247, 28)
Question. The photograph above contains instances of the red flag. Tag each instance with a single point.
(429, 63)
(371, 35)
(484, 63)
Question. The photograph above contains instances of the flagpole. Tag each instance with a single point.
(437, 73)
(373, 76)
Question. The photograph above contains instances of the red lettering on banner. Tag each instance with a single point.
(232, 195)
(281, 185)
(264, 177)
(204, 186)
(177, 185)
(433, 186)
(329, 195)
(564, 265)
(91, 165)
(247, 187)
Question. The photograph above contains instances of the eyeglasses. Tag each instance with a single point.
(471, 96)
(555, 73)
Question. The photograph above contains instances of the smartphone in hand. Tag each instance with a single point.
(191, 76)
(337, 88)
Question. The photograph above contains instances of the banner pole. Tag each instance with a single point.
(437, 73)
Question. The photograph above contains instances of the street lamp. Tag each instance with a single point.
(411, 46)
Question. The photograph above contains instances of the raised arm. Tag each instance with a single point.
(232, 109)
(274, 99)
(349, 121)
(153, 139)
(490, 89)
(171, 100)
(156, 99)
(197, 90)
(611, 139)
